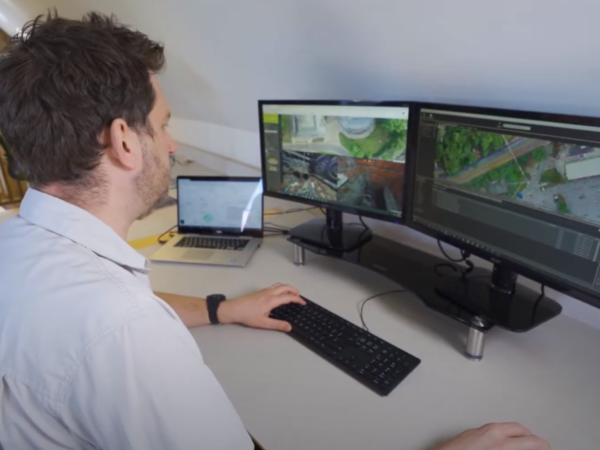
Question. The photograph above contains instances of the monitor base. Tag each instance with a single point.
(472, 301)
(331, 234)
(519, 311)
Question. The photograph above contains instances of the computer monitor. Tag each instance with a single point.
(517, 188)
(343, 156)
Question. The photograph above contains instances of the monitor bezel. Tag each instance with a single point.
(336, 207)
(560, 285)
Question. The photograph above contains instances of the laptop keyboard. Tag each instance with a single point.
(212, 243)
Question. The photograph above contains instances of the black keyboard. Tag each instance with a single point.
(372, 361)
(213, 243)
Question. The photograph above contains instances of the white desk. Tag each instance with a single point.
(291, 399)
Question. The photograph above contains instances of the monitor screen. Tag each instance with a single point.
(524, 188)
(220, 204)
(347, 156)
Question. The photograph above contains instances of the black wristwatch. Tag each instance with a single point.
(212, 304)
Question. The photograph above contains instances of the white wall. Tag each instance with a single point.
(12, 16)
(223, 55)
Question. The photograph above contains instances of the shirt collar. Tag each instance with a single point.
(81, 227)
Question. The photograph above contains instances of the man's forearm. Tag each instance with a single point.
(192, 310)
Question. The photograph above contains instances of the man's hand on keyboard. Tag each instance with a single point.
(499, 436)
(253, 310)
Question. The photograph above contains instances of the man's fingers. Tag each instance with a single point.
(284, 289)
(279, 325)
(526, 443)
(284, 299)
(513, 429)
(299, 300)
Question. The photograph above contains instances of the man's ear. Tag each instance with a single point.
(124, 146)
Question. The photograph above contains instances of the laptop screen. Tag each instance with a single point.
(220, 204)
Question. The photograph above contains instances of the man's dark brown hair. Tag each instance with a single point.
(62, 82)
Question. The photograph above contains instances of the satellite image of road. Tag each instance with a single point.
(549, 175)
(357, 137)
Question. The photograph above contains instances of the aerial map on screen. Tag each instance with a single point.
(550, 175)
(356, 161)
(357, 137)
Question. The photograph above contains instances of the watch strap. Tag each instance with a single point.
(212, 305)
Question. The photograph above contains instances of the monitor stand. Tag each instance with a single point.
(331, 234)
(480, 300)
(499, 299)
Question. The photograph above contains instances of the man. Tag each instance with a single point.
(90, 357)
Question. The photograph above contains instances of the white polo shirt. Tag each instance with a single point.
(90, 358)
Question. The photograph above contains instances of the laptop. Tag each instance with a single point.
(219, 221)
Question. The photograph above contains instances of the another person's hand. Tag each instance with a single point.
(253, 310)
(499, 436)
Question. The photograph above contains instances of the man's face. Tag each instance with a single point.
(153, 182)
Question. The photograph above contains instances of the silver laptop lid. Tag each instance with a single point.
(220, 205)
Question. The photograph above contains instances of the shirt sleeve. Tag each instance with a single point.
(145, 386)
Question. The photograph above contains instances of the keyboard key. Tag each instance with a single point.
(212, 243)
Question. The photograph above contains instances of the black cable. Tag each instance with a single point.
(362, 306)
(542, 294)
(537, 302)
(464, 258)
(363, 222)
(274, 234)
(462, 254)
(444, 264)
(276, 231)
(172, 233)
(470, 268)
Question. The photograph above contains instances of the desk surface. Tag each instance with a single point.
(291, 399)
